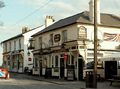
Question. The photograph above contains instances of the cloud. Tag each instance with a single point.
(62, 6)
(59, 9)
(113, 7)
(36, 3)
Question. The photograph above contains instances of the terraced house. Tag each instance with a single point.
(16, 56)
(68, 44)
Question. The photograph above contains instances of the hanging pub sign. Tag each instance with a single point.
(65, 56)
(57, 37)
(29, 59)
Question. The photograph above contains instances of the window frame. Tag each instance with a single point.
(40, 42)
(56, 60)
(64, 36)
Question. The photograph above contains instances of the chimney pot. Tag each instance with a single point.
(49, 20)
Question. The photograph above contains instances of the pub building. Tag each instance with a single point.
(63, 48)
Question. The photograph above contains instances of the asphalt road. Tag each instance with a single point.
(29, 84)
(21, 81)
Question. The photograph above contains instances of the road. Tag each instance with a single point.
(21, 81)
(29, 84)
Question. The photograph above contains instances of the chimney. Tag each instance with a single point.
(91, 11)
(48, 21)
(25, 29)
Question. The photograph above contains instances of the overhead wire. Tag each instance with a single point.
(38, 9)
(27, 16)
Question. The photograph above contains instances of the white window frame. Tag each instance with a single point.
(40, 42)
(64, 35)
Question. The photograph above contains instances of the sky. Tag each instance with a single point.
(31, 13)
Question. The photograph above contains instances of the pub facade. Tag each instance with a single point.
(66, 45)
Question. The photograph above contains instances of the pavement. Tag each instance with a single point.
(72, 84)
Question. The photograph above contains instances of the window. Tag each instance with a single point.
(64, 36)
(40, 42)
(19, 43)
(56, 61)
(14, 45)
(118, 64)
(36, 62)
(51, 39)
(5, 47)
(72, 59)
(9, 46)
(52, 61)
(8, 63)
(68, 60)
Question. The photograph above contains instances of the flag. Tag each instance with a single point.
(111, 37)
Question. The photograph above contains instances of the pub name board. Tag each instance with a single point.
(57, 37)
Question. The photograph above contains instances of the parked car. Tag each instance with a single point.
(4, 73)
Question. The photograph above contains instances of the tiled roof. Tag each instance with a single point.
(19, 35)
(106, 20)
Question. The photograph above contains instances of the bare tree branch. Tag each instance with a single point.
(2, 4)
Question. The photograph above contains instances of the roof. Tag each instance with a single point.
(19, 35)
(106, 20)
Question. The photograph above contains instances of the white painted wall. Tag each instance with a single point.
(101, 30)
(27, 36)
(12, 44)
(72, 34)
(24, 42)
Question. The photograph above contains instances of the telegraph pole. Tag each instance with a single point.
(95, 45)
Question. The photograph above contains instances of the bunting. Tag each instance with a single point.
(111, 37)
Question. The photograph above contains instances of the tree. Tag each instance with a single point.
(2, 4)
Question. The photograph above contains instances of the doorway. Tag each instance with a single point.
(110, 69)
(61, 67)
(40, 65)
(80, 67)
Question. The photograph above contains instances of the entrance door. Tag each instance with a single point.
(110, 69)
(40, 65)
(80, 68)
(62, 67)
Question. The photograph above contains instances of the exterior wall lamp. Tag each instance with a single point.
(31, 44)
(63, 47)
(28, 53)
